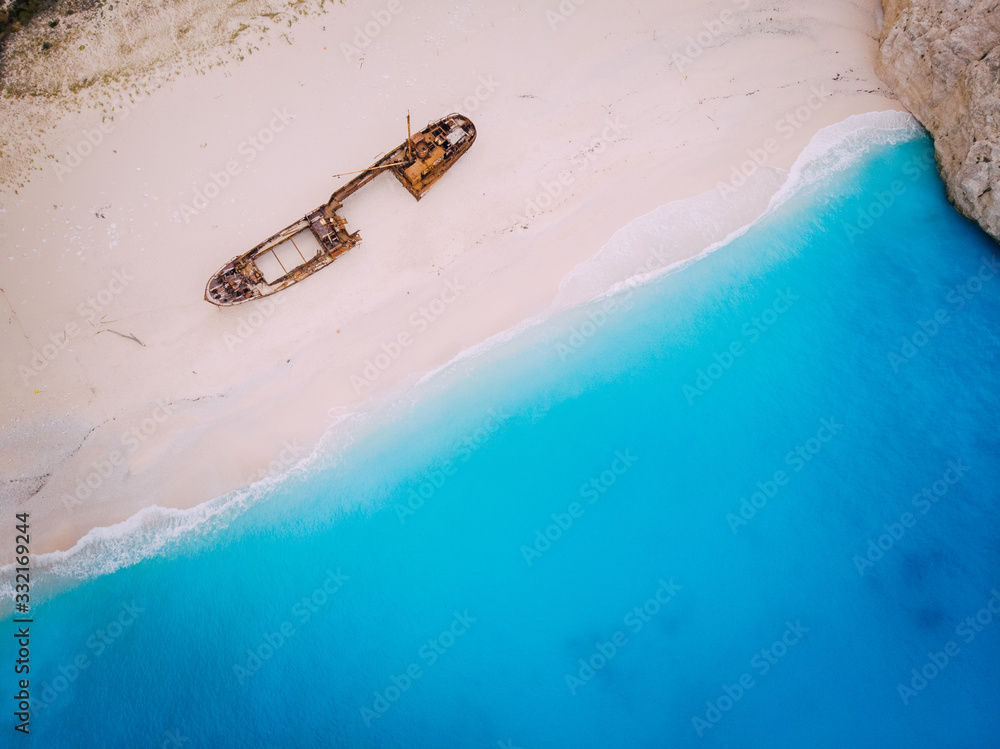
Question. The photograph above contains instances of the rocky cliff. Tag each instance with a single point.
(942, 57)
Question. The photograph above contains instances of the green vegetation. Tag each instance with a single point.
(18, 14)
(80, 85)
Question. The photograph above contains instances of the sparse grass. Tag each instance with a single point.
(78, 86)
(243, 27)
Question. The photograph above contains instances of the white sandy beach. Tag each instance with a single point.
(117, 372)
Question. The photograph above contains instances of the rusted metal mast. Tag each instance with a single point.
(371, 168)
(409, 138)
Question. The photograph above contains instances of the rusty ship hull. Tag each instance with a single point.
(321, 236)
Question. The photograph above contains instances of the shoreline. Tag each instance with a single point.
(158, 527)
(197, 437)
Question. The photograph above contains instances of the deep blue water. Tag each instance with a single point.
(706, 621)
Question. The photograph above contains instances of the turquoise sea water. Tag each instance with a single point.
(733, 507)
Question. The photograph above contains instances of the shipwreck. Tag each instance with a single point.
(321, 236)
